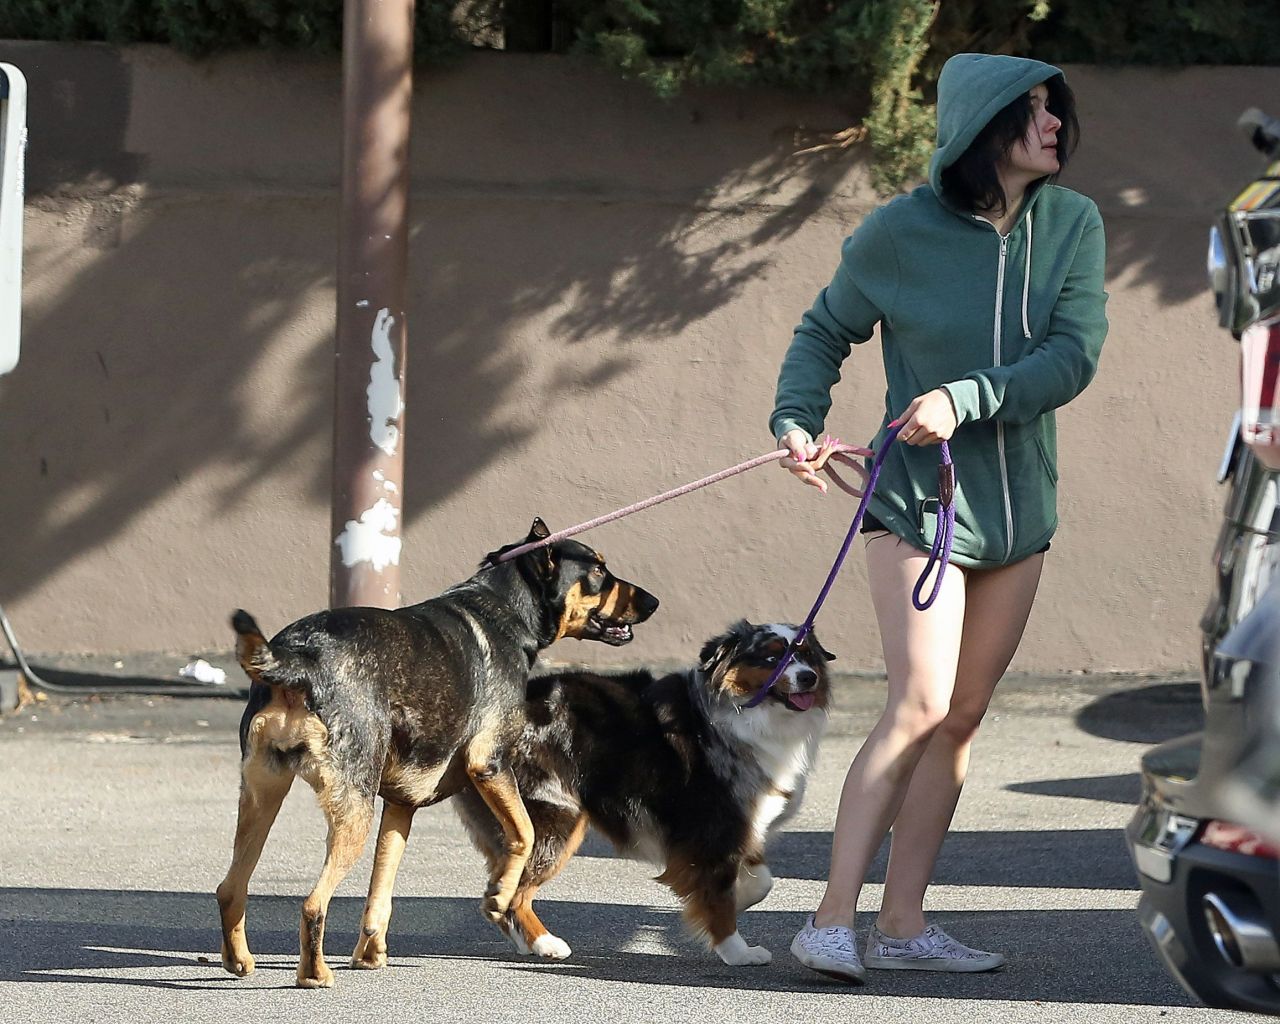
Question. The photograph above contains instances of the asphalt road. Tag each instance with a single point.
(117, 818)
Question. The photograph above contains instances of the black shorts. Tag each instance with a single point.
(870, 524)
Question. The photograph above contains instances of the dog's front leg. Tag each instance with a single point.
(497, 787)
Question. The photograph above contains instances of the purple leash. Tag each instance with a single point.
(939, 555)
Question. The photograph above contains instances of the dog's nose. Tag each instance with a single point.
(807, 678)
(646, 603)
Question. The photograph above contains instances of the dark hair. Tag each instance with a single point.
(971, 182)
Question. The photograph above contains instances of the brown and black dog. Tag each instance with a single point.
(415, 705)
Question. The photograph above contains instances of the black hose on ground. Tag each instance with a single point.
(193, 689)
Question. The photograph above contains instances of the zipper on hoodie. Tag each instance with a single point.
(999, 318)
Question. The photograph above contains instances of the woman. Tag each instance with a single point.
(987, 284)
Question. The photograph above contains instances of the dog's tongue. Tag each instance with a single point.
(801, 701)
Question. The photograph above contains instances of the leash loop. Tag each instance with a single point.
(940, 554)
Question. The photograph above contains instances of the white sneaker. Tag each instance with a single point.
(931, 950)
(829, 951)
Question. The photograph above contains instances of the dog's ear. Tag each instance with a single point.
(543, 562)
(718, 648)
(712, 652)
(816, 644)
(539, 557)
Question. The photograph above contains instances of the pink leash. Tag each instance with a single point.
(833, 447)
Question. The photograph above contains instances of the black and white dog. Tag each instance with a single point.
(673, 769)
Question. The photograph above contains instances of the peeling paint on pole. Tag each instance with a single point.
(386, 402)
(374, 540)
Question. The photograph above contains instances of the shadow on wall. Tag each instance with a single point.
(208, 382)
(194, 389)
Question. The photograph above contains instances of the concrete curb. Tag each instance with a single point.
(9, 678)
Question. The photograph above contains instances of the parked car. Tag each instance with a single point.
(1206, 836)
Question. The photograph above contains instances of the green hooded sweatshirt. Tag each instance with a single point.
(1010, 326)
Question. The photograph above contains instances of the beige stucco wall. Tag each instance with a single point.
(603, 285)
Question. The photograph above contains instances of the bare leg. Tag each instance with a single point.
(998, 603)
(921, 650)
(262, 791)
(393, 834)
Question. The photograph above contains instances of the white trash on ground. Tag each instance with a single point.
(202, 672)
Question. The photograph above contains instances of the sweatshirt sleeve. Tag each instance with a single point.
(1064, 363)
(844, 314)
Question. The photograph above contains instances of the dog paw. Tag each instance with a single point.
(751, 956)
(550, 947)
(373, 960)
(370, 952)
(735, 952)
(322, 978)
(241, 966)
(494, 910)
(753, 886)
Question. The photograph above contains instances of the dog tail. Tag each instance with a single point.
(261, 663)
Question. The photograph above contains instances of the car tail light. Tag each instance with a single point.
(1260, 402)
(1223, 835)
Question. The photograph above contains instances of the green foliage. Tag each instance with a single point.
(900, 127)
(799, 44)
(871, 46)
(126, 20)
(1161, 32)
(199, 27)
(888, 50)
(892, 50)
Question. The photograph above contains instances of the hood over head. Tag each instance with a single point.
(972, 89)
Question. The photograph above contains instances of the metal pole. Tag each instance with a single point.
(373, 243)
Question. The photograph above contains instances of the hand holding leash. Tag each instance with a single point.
(833, 450)
(801, 450)
(808, 459)
(929, 419)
